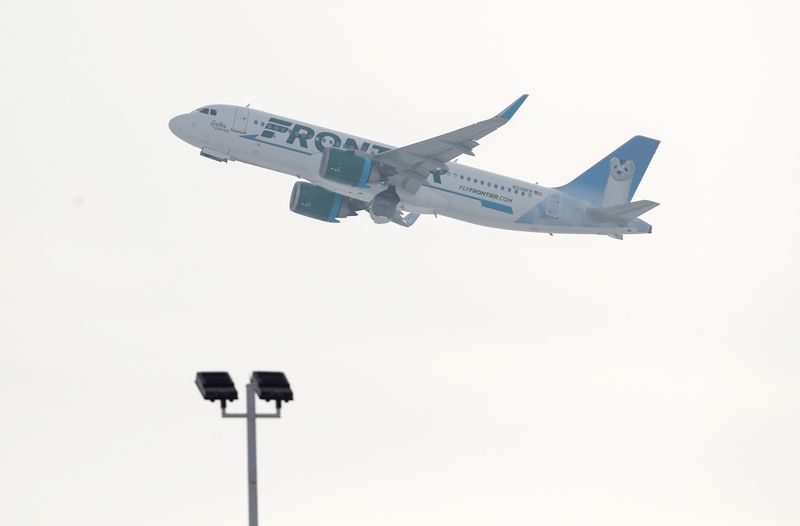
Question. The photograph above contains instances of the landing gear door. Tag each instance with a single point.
(240, 120)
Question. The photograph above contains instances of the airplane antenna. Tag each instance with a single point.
(248, 105)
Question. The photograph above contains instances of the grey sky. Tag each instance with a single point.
(444, 374)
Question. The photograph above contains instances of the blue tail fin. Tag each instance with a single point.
(614, 180)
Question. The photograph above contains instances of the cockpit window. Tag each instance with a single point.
(207, 111)
(213, 112)
(204, 110)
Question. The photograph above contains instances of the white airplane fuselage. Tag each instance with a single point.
(465, 193)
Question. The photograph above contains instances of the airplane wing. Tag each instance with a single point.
(410, 165)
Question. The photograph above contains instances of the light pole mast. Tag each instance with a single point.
(268, 386)
(252, 470)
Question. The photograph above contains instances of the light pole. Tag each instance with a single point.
(268, 386)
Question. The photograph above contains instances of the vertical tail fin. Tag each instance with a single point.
(614, 179)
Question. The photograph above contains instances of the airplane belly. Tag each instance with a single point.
(425, 201)
(216, 139)
(267, 155)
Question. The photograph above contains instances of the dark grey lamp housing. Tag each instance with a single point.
(272, 386)
(216, 386)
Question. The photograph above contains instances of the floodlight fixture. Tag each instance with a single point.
(216, 386)
(272, 386)
(269, 386)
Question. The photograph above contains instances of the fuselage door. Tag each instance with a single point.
(553, 201)
(240, 120)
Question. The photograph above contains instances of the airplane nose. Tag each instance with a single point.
(175, 125)
(183, 127)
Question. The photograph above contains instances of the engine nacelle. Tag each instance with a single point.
(385, 203)
(384, 206)
(347, 167)
(316, 202)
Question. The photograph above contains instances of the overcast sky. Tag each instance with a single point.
(444, 374)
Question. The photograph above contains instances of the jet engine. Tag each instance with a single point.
(347, 167)
(316, 202)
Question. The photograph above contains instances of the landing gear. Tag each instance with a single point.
(384, 209)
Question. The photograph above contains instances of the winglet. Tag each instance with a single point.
(511, 110)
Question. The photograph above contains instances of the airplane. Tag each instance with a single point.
(344, 174)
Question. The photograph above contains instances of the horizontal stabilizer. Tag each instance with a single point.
(621, 213)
